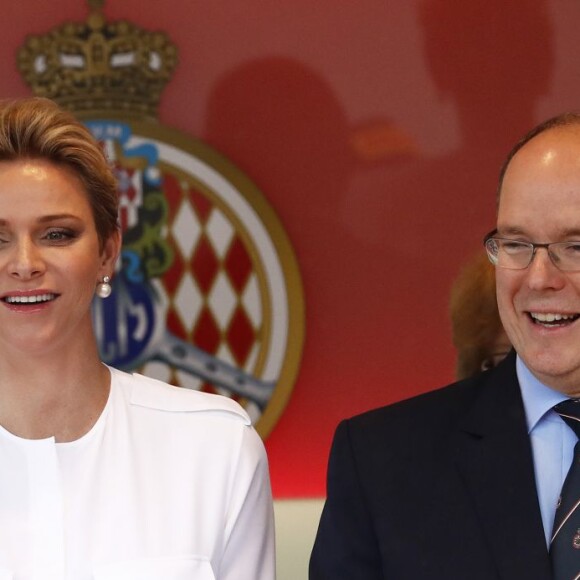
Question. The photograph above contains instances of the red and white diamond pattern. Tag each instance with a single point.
(212, 290)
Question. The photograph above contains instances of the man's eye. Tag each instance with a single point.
(513, 247)
(571, 248)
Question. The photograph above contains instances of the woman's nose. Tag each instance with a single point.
(26, 261)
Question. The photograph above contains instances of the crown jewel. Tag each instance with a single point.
(98, 65)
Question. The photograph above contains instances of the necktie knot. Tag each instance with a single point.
(569, 410)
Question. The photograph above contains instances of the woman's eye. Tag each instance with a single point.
(58, 235)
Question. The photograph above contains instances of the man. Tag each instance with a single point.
(463, 483)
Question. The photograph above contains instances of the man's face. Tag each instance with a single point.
(540, 306)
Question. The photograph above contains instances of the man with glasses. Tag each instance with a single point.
(467, 482)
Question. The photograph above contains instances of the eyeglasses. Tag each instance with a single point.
(518, 255)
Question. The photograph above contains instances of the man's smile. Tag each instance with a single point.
(552, 319)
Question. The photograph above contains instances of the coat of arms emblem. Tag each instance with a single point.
(208, 293)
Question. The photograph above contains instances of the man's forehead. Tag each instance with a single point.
(550, 143)
(557, 231)
(550, 158)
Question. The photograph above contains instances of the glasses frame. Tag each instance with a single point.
(553, 258)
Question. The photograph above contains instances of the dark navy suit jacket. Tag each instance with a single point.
(438, 487)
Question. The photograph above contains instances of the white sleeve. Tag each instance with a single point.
(249, 549)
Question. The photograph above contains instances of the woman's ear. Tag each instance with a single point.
(110, 253)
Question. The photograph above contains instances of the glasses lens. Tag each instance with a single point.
(566, 255)
(510, 253)
(492, 250)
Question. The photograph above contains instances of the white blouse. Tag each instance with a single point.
(169, 484)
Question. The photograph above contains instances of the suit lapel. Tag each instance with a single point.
(494, 457)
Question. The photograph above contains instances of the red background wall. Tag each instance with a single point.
(375, 129)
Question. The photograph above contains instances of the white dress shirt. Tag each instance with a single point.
(169, 484)
(552, 442)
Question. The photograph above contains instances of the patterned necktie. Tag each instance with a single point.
(565, 543)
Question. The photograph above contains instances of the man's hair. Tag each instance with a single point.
(36, 128)
(562, 120)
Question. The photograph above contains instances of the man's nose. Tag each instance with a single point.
(543, 273)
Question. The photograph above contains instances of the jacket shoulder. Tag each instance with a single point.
(442, 403)
(437, 412)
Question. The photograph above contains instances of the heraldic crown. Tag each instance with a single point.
(99, 66)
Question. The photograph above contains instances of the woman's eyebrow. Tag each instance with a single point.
(57, 216)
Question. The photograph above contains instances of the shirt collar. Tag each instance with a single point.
(538, 398)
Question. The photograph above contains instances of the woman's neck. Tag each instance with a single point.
(52, 396)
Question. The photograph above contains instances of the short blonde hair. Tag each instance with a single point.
(36, 128)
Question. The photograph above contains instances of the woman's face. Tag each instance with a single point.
(50, 261)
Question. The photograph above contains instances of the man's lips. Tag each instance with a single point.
(553, 318)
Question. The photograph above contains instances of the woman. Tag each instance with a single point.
(105, 475)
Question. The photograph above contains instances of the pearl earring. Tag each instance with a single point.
(104, 288)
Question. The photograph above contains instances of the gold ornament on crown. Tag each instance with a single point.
(99, 66)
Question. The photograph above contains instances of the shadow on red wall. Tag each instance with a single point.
(379, 238)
